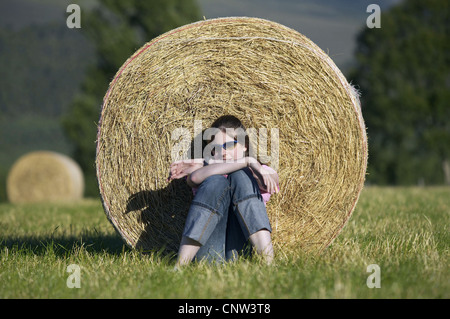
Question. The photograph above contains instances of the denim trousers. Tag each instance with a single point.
(224, 213)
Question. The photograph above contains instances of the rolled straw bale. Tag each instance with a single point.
(44, 176)
(267, 75)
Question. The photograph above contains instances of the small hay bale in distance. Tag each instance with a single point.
(267, 75)
(45, 176)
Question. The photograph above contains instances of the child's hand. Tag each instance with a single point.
(267, 179)
(270, 180)
(183, 168)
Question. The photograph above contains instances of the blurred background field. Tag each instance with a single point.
(402, 230)
(53, 78)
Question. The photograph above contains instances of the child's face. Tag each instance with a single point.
(233, 149)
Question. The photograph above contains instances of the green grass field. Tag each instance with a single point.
(402, 230)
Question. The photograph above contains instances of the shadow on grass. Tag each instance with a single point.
(65, 245)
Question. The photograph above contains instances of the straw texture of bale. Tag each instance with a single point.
(44, 176)
(267, 75)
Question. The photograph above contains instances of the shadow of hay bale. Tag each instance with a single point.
(160, 214)
(61, 245)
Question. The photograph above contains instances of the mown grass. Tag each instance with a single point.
(403, 230)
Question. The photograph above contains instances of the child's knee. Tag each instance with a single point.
(214, 188)
(242, 179)
(243, 186)
(215, 182)
(239, 177)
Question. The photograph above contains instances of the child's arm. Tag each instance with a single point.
(267, 179)
(215, 168)
(180, 169)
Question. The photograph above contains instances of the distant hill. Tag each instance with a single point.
(331, 24)
(16, 14)
(42, 68)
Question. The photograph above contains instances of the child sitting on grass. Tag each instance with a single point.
(231, 190)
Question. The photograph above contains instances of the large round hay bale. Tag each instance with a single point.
(44, 176)
(270, 77)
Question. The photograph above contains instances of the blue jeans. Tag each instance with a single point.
(224, 213)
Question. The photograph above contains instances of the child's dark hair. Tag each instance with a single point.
(231, 121)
